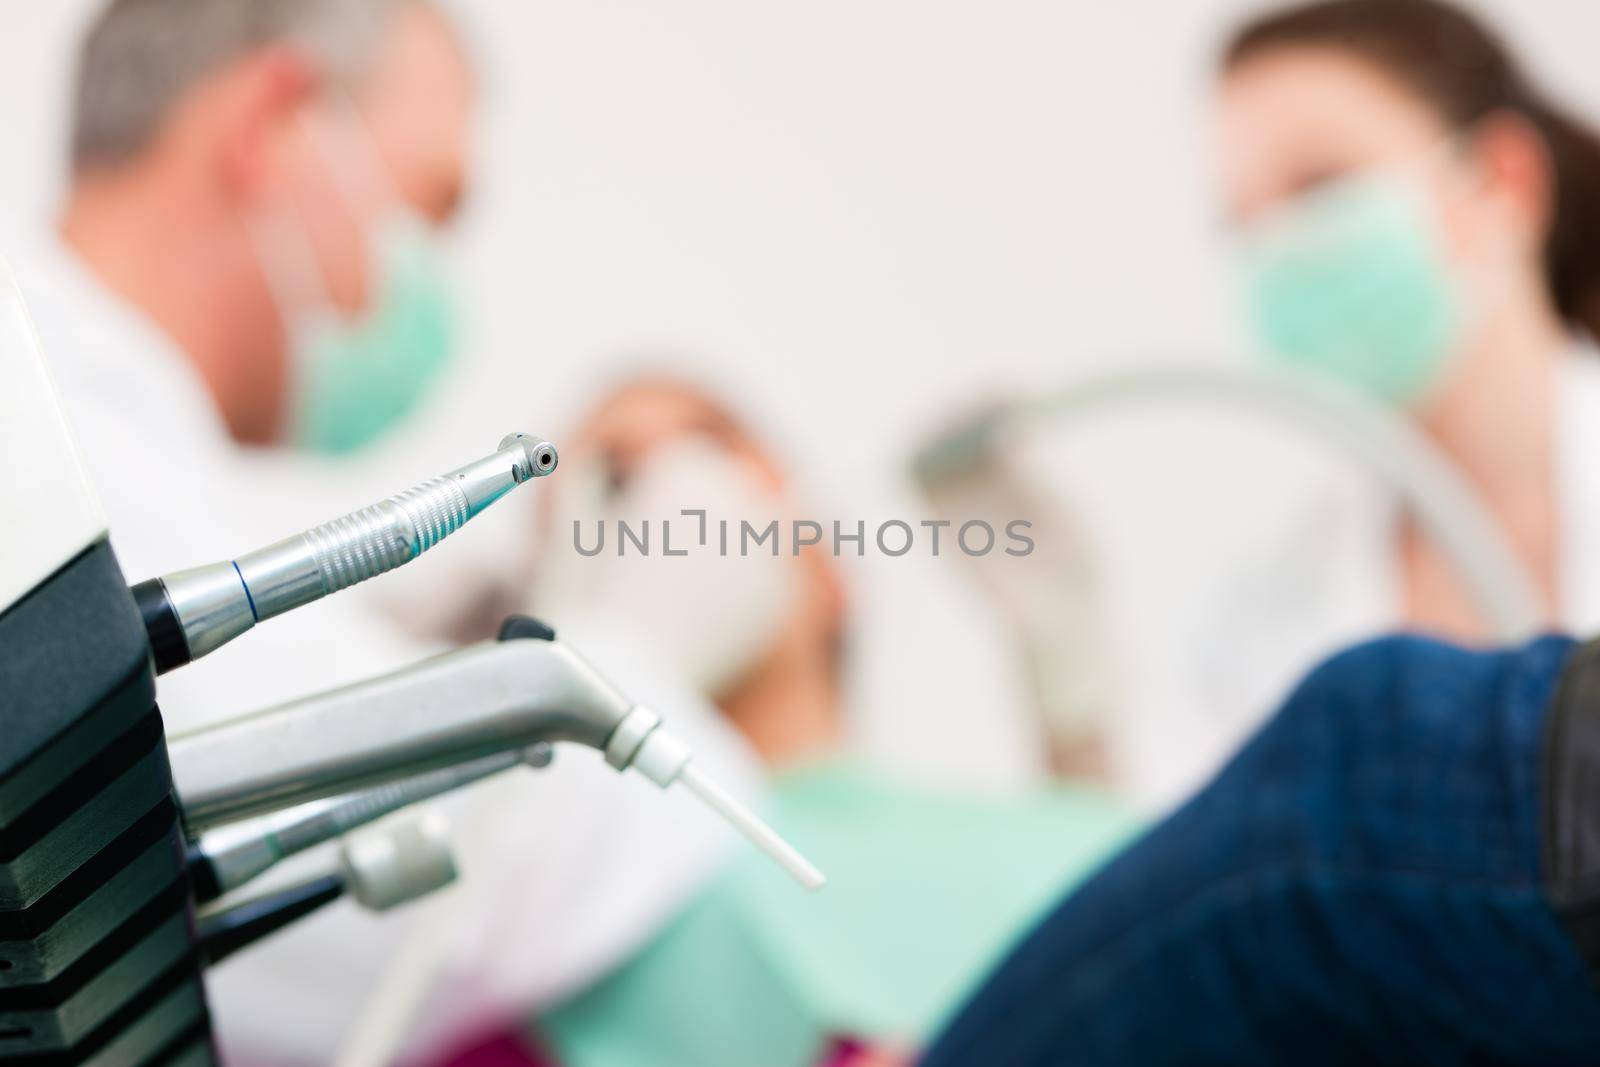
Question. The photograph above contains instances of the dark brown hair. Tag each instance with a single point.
(1459, 67)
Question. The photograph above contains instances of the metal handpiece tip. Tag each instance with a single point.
(538, 457)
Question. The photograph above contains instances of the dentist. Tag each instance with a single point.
(244, 260)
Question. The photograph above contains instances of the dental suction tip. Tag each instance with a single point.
(759, 833)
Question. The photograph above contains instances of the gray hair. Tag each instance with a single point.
(140, 56)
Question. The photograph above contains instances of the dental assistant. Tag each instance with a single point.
(245, 260)
(1419, 222)
(1399, 867)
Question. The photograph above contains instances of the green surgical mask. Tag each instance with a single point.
(353, 377)
(357, 377)
(1351, 283)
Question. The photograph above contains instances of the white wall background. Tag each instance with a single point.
(852, 215)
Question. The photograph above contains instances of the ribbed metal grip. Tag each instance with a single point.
(354, 810)
(213, 604)
(437, 509)
(235, 854)
(381, 537)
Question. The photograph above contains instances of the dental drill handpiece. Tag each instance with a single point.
(228, 857)
(190, 613)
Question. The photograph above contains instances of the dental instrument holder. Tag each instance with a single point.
(99, 962)
(193, 612)
(469, 704)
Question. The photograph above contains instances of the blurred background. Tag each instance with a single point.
(849, 219)
(855, 226)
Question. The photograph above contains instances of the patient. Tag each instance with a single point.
(927, 887)
(1399, 868)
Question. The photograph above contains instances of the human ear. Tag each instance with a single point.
(260, 97)
(1518, 173)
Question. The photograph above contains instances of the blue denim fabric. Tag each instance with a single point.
(1361, 884)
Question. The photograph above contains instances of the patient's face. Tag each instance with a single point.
(644, 417)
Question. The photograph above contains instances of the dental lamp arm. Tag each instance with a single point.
(194, 612)
(1446, 506)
